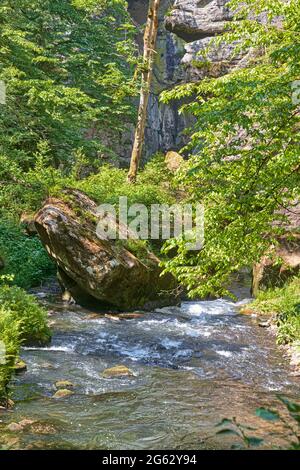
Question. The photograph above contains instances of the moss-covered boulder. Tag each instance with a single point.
(96, 271)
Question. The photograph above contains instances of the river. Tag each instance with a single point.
(193, 366)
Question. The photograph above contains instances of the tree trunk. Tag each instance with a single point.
(150, 37)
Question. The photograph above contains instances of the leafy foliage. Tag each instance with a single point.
(24, 257)
(23, 308)
(244, 164)
(233, 428)
(285, 303)
(22, 320)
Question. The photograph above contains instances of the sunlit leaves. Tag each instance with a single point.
(244, 163)
(267, 414)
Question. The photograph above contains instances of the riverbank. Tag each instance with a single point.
(22, 321)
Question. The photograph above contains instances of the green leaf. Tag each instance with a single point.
(267, 414)
(237, 446)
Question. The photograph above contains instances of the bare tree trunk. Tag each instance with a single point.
(150, 37)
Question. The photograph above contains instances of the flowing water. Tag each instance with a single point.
(193, 366)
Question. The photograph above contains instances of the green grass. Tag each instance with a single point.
(22, 321)
(285, 303)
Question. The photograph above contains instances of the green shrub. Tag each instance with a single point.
(24, 308)
(24, 257)
(285, 303)
(153, 186)
(22, 321)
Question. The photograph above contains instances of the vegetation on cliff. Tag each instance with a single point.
(67, 66)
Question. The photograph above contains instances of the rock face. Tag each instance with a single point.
(173, 161)
(196, 19)
(165, 126)
(98, 272)
(186, 27)
(197, 22)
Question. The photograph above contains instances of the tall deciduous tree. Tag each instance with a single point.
(150, 37)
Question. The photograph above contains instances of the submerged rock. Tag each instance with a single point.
(63, 393)
(42, 428)
(99, 272)
(117, 371)
(18, 427)
(14, 427)
(64, 384)
(26, 422)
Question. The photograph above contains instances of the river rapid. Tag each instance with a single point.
(193, 366)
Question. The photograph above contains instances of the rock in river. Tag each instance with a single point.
(95, 271)
(117, 371)
(20, 366)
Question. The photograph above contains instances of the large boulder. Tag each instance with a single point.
(102, 272)
(173, 161)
